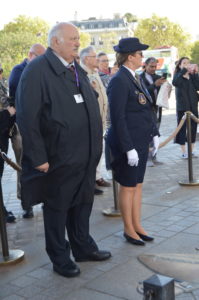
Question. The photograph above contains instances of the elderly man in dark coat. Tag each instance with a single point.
(58, 116)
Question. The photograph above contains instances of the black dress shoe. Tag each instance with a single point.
(68, 270)
(133, 241)
(98, 255)
(28, 213)
(145, 238)
(103, 183)
(98, 192)
(10, 218)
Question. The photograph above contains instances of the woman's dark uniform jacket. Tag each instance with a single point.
(57, 130)
(132, 122)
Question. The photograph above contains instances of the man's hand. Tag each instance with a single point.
(43, 168)
(11, 110)
(159, 81)
(156, 142)
(133, 158)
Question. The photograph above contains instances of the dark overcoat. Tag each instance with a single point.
(186, 91)
(57, 130)
(14, 78)
(132, 122)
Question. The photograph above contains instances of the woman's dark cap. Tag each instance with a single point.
(128, 45)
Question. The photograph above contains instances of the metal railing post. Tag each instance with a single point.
(113, 211)
(8, 256)
(191, 180)
(3, 233)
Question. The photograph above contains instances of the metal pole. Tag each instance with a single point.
(8, 256)
(189, 147)
(113, 211)
(115, 194)
(3, 232)
(189, 151)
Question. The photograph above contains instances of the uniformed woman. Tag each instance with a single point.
(132, 129)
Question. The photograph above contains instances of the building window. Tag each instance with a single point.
(100, 41)
(92, 41)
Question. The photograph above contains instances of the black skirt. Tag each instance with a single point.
(181, 137)
(127, 175)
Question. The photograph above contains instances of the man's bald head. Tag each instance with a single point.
(63, 38)
(36, 50)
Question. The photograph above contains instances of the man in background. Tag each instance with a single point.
(7, 118)
(153, 83)
(15, 75)
(89, 62)
(103, 63)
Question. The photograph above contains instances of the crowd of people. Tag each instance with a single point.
(59, 106)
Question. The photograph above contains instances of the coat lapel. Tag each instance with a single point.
(140, 86)
(58, 66)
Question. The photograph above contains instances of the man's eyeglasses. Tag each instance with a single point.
(104, 60)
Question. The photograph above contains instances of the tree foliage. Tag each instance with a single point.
(85, 39)
(195, 52)
(109, 39)
(23, 23)
(156, 32)
(18, 36)
(130, 17)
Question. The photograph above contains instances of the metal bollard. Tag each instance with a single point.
(8, 256)
(159, 287)
(3, 232)
(113, 211)
(191, 181)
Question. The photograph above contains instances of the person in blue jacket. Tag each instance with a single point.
(15, 75)
(132, 129)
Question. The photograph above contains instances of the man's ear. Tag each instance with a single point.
(85, 60)
(55, 41)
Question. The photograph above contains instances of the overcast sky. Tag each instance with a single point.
(64, 10)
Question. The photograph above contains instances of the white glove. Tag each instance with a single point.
(156, 142)
(132, 158)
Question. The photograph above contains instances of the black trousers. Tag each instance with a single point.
(76, 221)
(4, 141)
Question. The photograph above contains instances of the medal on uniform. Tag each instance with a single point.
(142, 98)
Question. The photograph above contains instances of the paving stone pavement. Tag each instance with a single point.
(170, 213)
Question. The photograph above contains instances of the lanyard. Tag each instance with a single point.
(76, 78)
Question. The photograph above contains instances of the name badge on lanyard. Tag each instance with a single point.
(78, 98)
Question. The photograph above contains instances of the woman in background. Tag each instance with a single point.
(186, 82)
